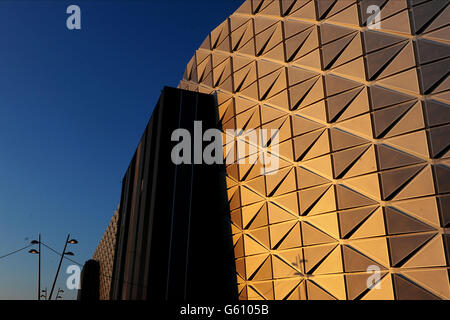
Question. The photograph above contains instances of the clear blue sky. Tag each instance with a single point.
(73, 105)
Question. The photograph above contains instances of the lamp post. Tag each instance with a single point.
(72, 241)
(58, 294)
(44, 294)
(38, 252)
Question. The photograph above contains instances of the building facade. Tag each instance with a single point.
(359, 91)
(104, 254)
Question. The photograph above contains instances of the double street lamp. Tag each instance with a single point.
(44, 294)
(58, 296)
(69, 253)
(38, 252)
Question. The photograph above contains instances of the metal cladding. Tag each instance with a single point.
(360, 205)
(104, 254)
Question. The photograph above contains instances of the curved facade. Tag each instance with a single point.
(359, 207)
(104, 254)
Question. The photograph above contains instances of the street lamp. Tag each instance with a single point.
(57, 295)
(44, 294)
(72, 241)
(38, 252)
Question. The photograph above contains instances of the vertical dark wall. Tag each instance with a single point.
(90, 282)
(171, 243)
(210, 274)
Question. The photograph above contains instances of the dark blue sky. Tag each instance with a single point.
(73, 105)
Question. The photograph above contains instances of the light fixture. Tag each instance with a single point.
(64, 253)
(38, 252)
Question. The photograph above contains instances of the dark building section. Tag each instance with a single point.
(171, 230)
(90, 281)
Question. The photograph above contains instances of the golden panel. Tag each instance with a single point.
(104, 254)
(358, 207)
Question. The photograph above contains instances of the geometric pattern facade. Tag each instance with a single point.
(364, 134)
(104, 254)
